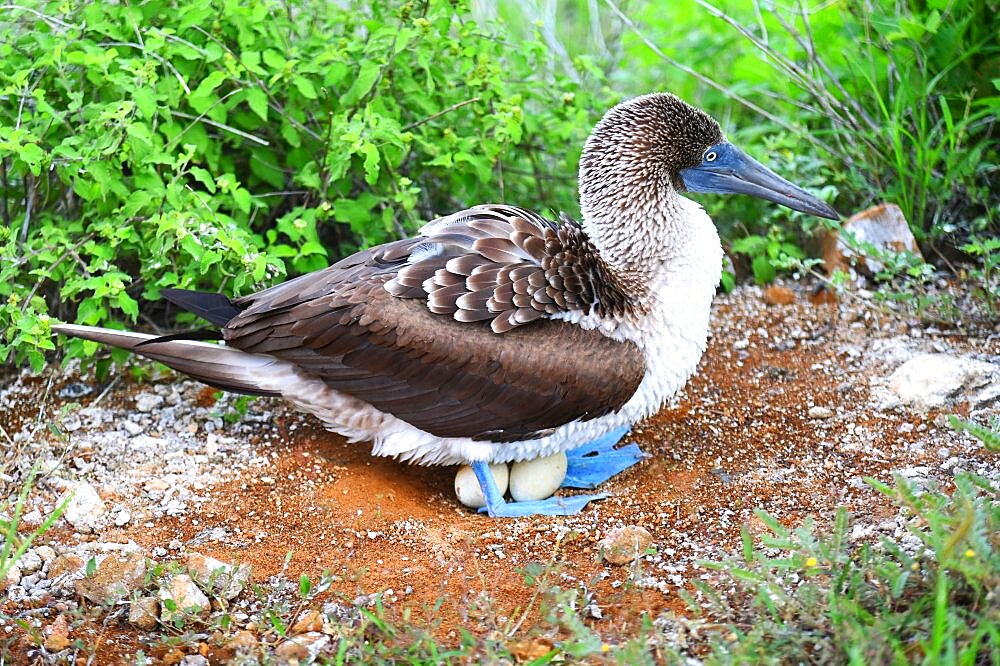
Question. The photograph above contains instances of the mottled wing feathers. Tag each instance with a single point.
(509, 266)
(372, 326)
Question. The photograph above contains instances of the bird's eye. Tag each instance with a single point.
(710, 156)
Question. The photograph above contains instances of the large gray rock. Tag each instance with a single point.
(933, 381)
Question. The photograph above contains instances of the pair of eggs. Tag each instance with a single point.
(527, 480)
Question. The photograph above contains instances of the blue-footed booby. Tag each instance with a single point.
(497, 334)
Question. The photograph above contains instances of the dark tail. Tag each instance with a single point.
(215, 308)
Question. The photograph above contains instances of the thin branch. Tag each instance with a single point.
(440, 113)
(221, 126)
(45, 17)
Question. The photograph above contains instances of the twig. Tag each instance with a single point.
(55, 263)
(222, 126)
(5, 211)
(44, 17)
(435, 116)
(29, 200)
(107, 389)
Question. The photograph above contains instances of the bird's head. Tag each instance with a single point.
(657, 143)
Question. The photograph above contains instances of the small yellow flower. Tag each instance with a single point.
(605, 647)
(914, 567)
(970, 553)
(811, 562)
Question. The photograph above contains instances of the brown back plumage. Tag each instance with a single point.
(412, 327)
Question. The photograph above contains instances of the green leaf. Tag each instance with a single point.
(209, 84)
(370, 151)
(763, 271)
(257, 100)
(305, 87)
(128, 305)
(242, 199)
(145, 101)
(204, 177)
(362, 84)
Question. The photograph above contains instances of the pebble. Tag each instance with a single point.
(132, 427)
(30, 562)
(194, 660)
(311, 621)
(187, 597)
(225, 580)
(537, 479)
(302, 649)
(85, 506)
(57, 635)
(930, 381)
(12, 578)
(143, 612)
(68, 565)
(147, 402)
(242, 641)
(623, 545)
(778, 295)
(46, 553)
(467, 485)
(123, 518)
(74, 390)
(819, 412)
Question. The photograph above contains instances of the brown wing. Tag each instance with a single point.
(450, 378)
(509, 266)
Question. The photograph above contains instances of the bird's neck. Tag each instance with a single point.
(645, 238)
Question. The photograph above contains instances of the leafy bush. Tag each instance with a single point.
(226, 145)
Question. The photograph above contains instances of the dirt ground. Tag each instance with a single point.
(788, 412)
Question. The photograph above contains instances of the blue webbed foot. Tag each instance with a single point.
(496, 507)
(553, 506)
(595, 462)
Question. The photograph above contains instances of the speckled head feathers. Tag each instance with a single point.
(647, 140)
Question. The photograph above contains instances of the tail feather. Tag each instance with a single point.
(216, 365)
(215, 308)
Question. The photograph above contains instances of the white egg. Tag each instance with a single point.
(467, 485)
(537, 479)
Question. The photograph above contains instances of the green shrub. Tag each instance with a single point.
(225, 145)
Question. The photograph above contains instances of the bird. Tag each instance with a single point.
(497, 334)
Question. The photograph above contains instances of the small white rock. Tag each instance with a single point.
(46, 553)
(84, 507)
(186, 598)
(123, 518)
(819, 412)
(147, 402)
(537, 479)
(30, 562)
(467, 485)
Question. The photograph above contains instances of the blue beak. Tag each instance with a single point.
(725, 169)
